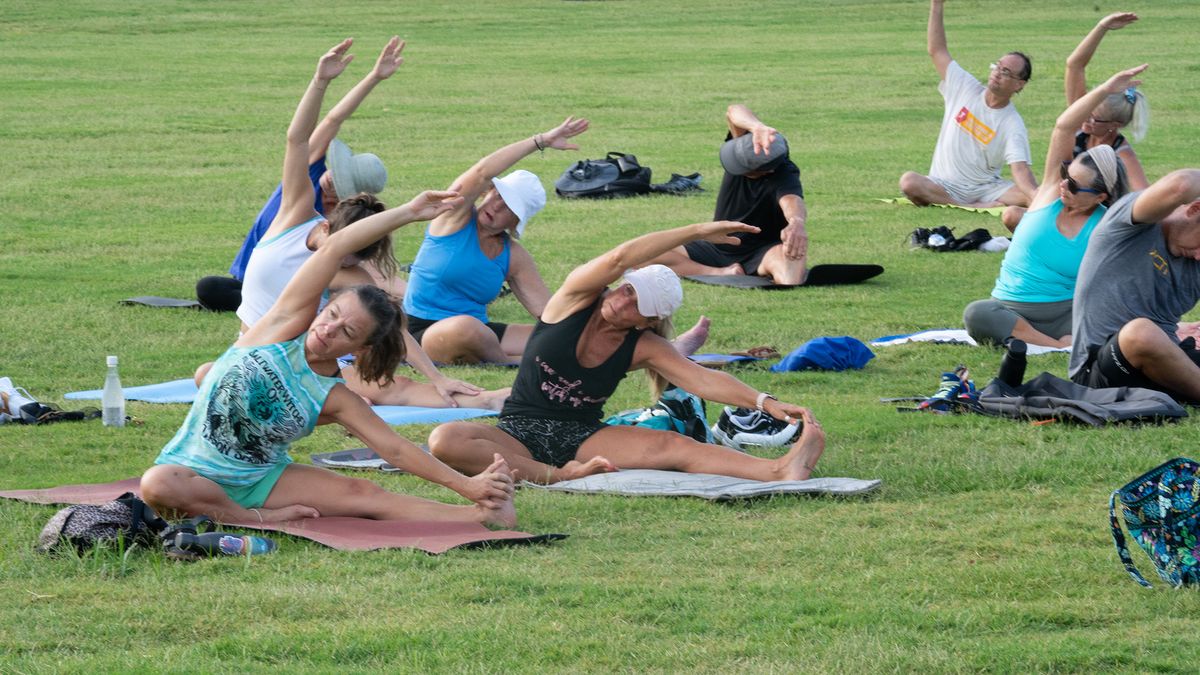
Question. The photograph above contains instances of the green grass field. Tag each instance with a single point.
(140, 140)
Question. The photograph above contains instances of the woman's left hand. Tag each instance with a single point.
(1124, 79)
(389, 59)
(447, 388)
(432, 203)
(557, 137)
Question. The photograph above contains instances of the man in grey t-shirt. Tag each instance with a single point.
(1140, 275)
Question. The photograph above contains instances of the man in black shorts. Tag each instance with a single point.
(1140, 275)
(761, 187)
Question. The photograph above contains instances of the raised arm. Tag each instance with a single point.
(297, 201)
(1075, 80)
(1167, 194)
(387, 63)
(1062, 139)
(935, 38)
(297, 304)
(742, 121)
(526, 282)
(477, 179)
(587, 281)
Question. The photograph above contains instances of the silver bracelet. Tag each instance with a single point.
(762, 398)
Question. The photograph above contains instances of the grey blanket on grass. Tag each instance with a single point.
(653, 483)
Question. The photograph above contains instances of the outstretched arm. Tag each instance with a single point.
(446, 387)
(526, 282)
(348, 409)
(1167, 194)
(297, 200)
(587, 281)
(935, 38)
(476, 180)
(1075, 81)
(1062, 139)
(387, 63)
(742, 121)
(297, 304)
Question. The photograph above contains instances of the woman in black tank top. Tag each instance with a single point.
(588, 338)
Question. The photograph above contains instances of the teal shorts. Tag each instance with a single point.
(254, 495)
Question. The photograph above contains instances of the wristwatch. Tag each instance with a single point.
(762, 398)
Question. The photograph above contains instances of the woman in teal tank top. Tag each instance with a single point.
(275, 384)
(1033, 296)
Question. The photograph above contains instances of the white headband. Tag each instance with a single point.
(1105, 159)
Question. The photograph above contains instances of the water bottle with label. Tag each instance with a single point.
(211, 544)
(112, 399)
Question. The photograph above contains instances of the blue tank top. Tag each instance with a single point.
(254, 402)
(452, 276)
(1041, 264)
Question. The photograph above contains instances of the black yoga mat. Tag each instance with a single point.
(818, 275)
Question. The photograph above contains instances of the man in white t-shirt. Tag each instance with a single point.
(981, 132)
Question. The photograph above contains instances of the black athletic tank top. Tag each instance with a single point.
(552, 384)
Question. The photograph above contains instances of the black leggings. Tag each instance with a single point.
(219, 294)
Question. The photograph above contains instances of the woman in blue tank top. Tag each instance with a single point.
(588, 337)
(1033, 296)
(469, 252)
(275, 384)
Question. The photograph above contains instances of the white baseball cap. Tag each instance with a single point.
(524, 195)
(659, 293)
(351, 173)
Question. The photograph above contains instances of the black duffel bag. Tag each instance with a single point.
(617, 175)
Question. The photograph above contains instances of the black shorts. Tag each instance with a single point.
(1107, 366)
(707, 253)
(417, 327)
(553, 442)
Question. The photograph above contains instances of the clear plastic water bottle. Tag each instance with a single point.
(112, 400)
(212, 544)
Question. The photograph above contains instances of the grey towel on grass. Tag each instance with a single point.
(653, 483)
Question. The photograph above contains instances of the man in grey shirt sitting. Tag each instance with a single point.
(1140, 275)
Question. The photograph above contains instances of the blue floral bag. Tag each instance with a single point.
(1162, 513)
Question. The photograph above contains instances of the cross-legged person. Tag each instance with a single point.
(1032, 299)
(1116, 112)
(761, 187)
(588, 338)
(230, 458)
(1140, 275)
(334, 171)
(981, 132)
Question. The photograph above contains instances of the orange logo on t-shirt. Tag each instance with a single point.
(971, 124)
(1160, 263)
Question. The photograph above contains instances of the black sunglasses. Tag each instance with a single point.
(1072, 186)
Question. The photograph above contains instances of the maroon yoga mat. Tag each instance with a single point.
(344, 534)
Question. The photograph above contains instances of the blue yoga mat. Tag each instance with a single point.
(175, 391)
(184, 391)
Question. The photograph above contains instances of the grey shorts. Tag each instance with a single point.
(964, 193)
(992, 320)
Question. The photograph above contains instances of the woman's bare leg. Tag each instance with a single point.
(173, 489)
(333, 494)
(403, 391)
(639, 448)
(464, 339)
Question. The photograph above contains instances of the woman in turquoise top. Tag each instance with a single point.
(1032, 297)
(275, 384)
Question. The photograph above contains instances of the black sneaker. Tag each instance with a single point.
(919, 238)
(742, 428)
(679, 184)
(972, 240)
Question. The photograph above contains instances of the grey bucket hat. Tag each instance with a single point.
(738, 158)
(351, 173)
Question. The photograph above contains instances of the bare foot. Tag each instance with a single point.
(576, 469)
(802, 458)
(286, 513)
(494, 400)
(503, 514)
(735, 269)
(693, 338)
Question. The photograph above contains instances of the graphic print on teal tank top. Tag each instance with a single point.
(252, 405)
(452, 276)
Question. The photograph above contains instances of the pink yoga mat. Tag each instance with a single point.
(344, 534)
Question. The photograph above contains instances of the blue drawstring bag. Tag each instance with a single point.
(826, 353)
